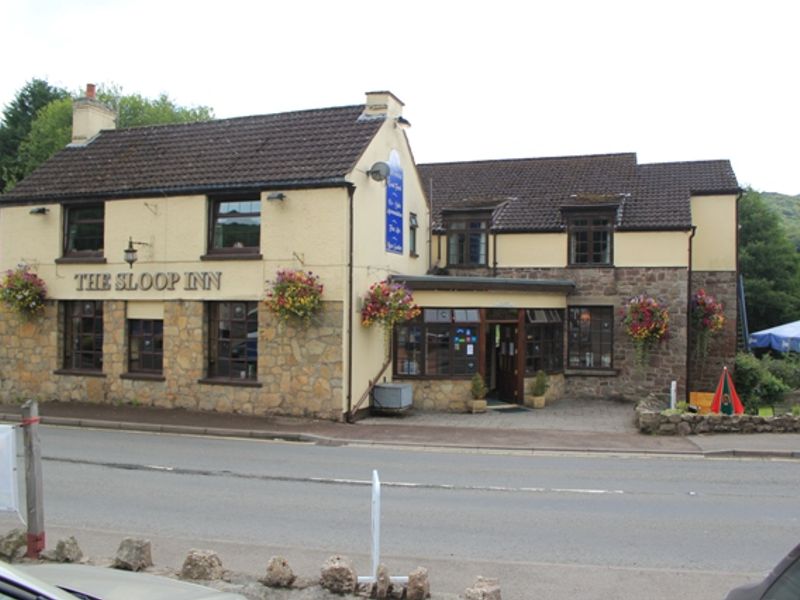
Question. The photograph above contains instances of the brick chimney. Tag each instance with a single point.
(90, 117)
(384, 104)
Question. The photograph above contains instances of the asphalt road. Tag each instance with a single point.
(558, 526)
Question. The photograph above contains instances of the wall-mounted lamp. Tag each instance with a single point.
(402, 123)
(379, 171)
(279, 196)
(41, 210)
(131, 253)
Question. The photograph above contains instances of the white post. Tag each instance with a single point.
(376, 523)
(673, 394)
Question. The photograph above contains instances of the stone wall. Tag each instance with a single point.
(653, 421)
(299, 367)
(451, 395)
(612, 287)
(705, 371)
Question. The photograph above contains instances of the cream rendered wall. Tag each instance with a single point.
(714, 244)
(651, 249)
(307, 230)
(531, 250)
(371, 261)
(493, 299)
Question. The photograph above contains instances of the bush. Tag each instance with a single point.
(539, 385)
(785, 367)
(756, 385)
(478, 387)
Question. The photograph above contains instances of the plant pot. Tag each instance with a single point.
(538, 401)
(478, 406)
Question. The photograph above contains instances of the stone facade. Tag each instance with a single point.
(654, 422)
(451, 395)
(299, 367)
(613, 287)
(705, 371)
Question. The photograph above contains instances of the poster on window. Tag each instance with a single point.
(9, 498)
(394, 205)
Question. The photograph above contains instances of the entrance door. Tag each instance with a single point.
(508, 364)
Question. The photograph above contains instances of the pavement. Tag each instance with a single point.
(566, 425)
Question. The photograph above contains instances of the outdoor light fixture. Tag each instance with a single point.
(41, 210)
(280, 196)
(131, 253)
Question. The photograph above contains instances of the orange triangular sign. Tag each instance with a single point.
(726, 400)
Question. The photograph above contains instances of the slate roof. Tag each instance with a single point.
(311, 147)
(535, 190)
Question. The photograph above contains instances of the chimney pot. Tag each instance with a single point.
(90, 91)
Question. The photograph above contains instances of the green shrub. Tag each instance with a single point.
(478, 387)
(539, 385)
(785, 367)
(756, 385)
(796, 410)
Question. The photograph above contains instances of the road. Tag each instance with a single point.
(549, 526)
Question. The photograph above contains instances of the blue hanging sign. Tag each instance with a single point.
(394, 205)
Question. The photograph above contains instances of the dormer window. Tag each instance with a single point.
(590, 239)
(467, 240)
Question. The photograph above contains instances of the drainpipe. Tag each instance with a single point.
(350, 305)
(494, 254)
(689, 319)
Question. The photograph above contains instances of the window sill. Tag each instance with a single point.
(88, 260)
(143, 376)
(587, 372)
(231, 382)
(79, 373)
(233, 256)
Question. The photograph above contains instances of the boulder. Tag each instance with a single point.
(338, 575)
(13, 545)
(279, 573)
(66, 551)
(133, 554)
(419, 587)
(203, 565)
(483, 589)
(383, 583)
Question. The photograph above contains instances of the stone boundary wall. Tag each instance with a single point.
(650, 420)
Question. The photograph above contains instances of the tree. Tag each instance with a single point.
(51, 129)
(769, 263)
(18, 117)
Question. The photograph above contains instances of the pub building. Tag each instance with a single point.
(159, 245)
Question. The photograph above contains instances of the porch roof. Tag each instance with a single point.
(447, 283)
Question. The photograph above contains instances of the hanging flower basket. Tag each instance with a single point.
(295, 294)
(707, 318)
(388, 304)
(24, 292)
(646, 321)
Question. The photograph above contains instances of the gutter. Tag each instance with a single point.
(350, 305)
(689, 317)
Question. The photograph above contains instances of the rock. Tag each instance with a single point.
(133, 554)
(382, 585)
(202, 564)
(66, 551)
(279, 573)
(484, 589)
(13, 545)
(338, 575)
(419, 587)
(684, 428)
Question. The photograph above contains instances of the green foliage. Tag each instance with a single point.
(796, 410)
(755, 384)
(540, 384)
(788, 209)
(478, 387)
(23, 291)
(785, 367)
(51, 130)
(769, 264)
(17, 119)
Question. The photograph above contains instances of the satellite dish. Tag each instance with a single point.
(379, 171)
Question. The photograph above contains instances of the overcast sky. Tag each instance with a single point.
(671, 81)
